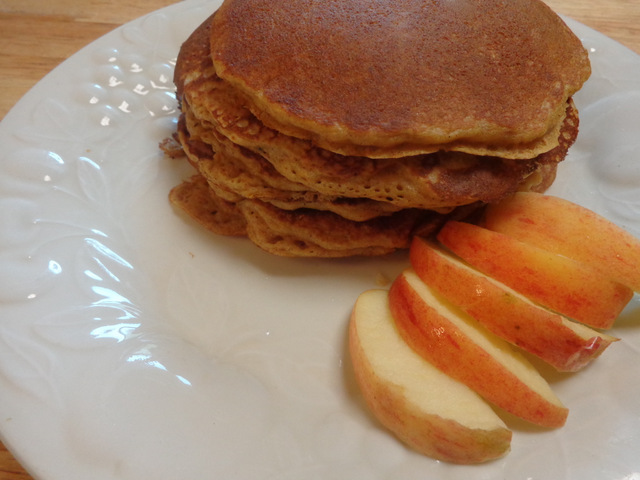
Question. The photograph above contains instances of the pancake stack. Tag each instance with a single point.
(346, 127)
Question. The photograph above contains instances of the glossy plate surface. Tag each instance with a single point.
(134, 345)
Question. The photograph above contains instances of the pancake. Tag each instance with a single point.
(313, 233)
(485, 77)
(247, 175)
(304, 232)
(194, 197)
(431, 181)
(299, 175)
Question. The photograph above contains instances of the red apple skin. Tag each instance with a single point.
(559, 283)
(564, 227)
(532, 328)
(449, 349)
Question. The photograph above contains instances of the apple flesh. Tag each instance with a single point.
(561, 226)
(463, 349)
(555, 281)
(428, 410)
(566, 345)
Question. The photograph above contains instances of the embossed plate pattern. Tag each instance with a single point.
(133, 345)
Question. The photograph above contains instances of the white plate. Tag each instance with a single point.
(134, 345)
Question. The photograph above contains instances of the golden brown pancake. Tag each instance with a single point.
(432, 181)
(304, 232)
(312, 233)
(300, 175)
(435, 181)
(243, 174)
(315, 233)
(194, 197)
(480, 76)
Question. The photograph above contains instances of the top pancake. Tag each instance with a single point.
(441, 180)
(411, 76)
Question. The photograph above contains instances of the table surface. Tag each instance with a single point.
(39, 34)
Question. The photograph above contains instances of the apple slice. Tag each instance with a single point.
(563, 227)
(566, 345)
(428, 410)
(562, 284)
(460, 347)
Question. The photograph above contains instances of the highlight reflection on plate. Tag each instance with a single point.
(134, 345)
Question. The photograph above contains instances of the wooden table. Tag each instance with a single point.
(37, 35)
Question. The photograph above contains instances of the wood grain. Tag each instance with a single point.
(39, 34)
